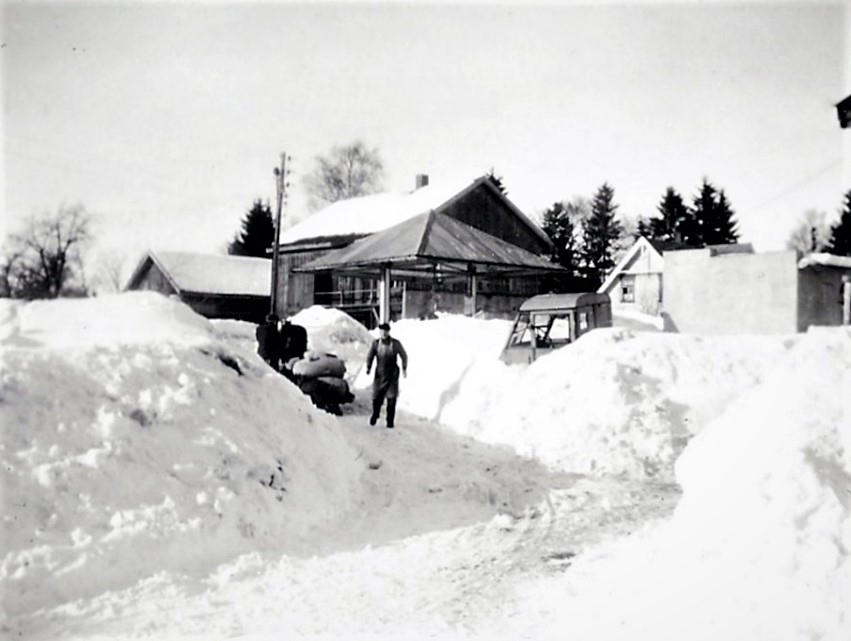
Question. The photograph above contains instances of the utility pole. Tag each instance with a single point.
(281, 185)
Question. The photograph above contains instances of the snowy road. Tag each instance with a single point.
(435, 547)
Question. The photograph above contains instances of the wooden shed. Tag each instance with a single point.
(214, 286)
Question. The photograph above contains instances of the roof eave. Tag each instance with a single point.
(138, 273)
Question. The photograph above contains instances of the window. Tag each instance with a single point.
(522, 334)
(627, 289)
(560, 330)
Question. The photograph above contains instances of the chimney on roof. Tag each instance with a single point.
(421, 181)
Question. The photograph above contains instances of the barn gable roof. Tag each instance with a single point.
(370, 214)
(429, 239)
(193, 273)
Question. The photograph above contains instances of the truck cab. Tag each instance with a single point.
(549, 321)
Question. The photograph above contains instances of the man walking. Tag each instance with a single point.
(385, 351)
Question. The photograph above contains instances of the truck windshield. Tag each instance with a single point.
(548, 328)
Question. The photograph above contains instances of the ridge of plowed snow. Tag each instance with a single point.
(149, 441)
(758, 547)
(614, 402)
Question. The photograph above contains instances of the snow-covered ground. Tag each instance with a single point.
(160, 481)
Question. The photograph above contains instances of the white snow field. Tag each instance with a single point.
(160, 481)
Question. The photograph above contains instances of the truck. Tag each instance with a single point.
(549, 321)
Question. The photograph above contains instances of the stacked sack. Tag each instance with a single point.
(320, 376)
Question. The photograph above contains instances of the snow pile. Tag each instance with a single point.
(332, 331)
(615, 402)
(637, 320)
(241, 334)
(158, 478)
(441, 352)
(135, 441)
(760, 544)
(328, 330)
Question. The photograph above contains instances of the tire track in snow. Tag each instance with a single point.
(406, 560)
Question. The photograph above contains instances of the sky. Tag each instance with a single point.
(165, 120)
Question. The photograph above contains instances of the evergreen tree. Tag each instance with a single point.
(557, 223)
(701, 210)
(840, 233)
(721, 229)
(689, 230)
(644, 227)
(497, 181)
(257, 234)
(713, 222)
(600, 236)
(673, 218)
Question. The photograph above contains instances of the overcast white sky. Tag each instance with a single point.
(166, 119)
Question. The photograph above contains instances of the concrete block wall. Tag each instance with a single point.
(738, 293)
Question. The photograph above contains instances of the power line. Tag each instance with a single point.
(800, 184)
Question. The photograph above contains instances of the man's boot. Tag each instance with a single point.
(391, 411)
(376, 410)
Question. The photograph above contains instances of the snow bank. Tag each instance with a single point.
(441, 352)
(135, 440)
(760, 544)
(637, 320)
(328, 330)
(614, 402)
(143, 446)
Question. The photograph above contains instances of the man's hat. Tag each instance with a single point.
(384, 326)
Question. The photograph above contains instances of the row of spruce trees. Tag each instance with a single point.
(588, 235)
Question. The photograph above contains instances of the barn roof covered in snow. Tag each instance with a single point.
(366, 215)
(207, 273)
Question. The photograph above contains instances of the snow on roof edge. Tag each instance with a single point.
(825, 259)
(217, 274)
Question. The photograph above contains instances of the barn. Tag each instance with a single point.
(314, 269)
(214, 286)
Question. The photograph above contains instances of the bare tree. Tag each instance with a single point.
(43, 260)
(811, 233)
(10, 261)
(346, 172)
(109, 272)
